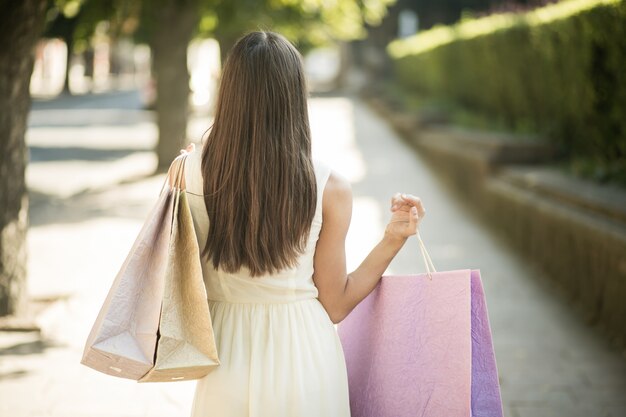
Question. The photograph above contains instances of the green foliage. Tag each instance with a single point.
(76, 20)
(308, 23)
(558, 70)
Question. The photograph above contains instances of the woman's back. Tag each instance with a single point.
(279, 351)
(288, 285)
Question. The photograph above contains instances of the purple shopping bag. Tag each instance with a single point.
(420, 346)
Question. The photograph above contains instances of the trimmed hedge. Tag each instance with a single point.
(559, 70)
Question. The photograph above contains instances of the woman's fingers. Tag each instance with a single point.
(190, 148)
(411, 199)
(408, 211)
(396, 201)
(413, 220)
(404, 202)
(416, 202)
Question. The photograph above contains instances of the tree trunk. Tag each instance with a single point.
(21, 22)
(69, 41)
(178, 23)
(345, 63)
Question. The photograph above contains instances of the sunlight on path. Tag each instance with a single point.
(334, 141)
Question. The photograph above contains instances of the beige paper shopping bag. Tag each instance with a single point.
(186, 345)
(123, 338)
(155, 323)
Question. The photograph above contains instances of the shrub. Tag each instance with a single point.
(559, 70)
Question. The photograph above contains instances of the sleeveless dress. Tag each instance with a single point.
(280, 353)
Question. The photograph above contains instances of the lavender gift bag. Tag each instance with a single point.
(420, 345)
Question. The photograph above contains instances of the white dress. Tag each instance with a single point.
(279, 351)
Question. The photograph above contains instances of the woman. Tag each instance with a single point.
(271, 223)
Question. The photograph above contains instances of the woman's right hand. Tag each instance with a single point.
(407, 212)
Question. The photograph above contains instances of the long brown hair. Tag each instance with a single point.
(259, 182)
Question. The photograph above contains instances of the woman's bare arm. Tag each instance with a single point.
(340, 292)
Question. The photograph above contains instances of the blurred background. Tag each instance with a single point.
(508, 119)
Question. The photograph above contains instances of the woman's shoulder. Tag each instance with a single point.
(331, 180)
(338, 185)
(337, 193)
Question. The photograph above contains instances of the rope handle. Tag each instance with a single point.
(430, 268)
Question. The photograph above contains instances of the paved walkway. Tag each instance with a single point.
(89, 196)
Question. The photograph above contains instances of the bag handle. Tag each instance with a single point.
(430, 268)
(178, 175)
